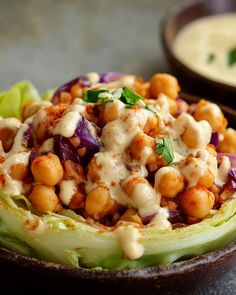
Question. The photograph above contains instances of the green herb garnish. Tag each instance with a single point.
(165, 149)
(231, 57)
(93, 95)
(210, 58)
(129, 97)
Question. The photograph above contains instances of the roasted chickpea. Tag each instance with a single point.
(93, 168)
(207, 179)
(164, 83)
(19, 171)
(169, 182)
(143, 149)
(47, 169)
(98, 202)
(78, 200)
(228, 144)
(131, 215)
(129, 185)
(43, 198)
(197, 201)
(7, 136)
(210, 112)
(111, 111)
(189, 138)
(152, 125)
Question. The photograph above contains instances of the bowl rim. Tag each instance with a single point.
(166, 19)
(146, 273)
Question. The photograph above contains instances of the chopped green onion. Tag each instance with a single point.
(165, 149)
(93, 95)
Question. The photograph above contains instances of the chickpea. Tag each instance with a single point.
(152, 125)
(170, 183)
(74, 171)
(197, 201)
(164, 83)
(7, 137)
(228, 144)
(143, 148)
(111, 111)
(189, 138)
(19, 171)
(77, 201)
(207, 179)
(43, 198)
(76, 91)
(47, 169)
(167, 104)
(210, 112)
(129, 185)
(99, 202)
(93, 168)
(131, 215)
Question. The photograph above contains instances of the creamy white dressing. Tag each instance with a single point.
(12, 186)
(223, 171)
(117, 135)
(160, 220)
(213, 35)
(111, 171)
(67, 189)
(145, 199)
(70, 119)
(10, 123)
(163, 171)
(129, 238)
(202, 130)
(18, 140)
(47, 146)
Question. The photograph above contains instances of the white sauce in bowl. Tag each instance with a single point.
(206, 45)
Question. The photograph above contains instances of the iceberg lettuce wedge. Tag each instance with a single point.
(71, 242)
(12, 100)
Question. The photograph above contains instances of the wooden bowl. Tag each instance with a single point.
(25, 274)
(177, 18)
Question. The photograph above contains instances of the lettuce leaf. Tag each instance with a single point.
(65, 240)
(13, 100)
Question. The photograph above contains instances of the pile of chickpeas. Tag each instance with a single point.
(43, 175)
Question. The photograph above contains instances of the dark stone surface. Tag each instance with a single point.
(51, 41)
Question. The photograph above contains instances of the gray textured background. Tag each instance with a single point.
(50, 42)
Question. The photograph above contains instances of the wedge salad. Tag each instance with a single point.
(109, 171)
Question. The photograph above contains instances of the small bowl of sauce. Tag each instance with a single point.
(199, 38)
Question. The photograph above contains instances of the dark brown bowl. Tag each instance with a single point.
(180, 16)
(26, 275)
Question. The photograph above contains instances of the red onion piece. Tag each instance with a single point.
(67, 86)
(110, 77)
(214, 138)
(147, 218)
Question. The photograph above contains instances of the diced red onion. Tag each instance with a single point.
(33, 155)
(173, 213)
(66, 151)
(67, 86)
(232, 184)
(214, 138)
(147, 218)
(110, 76)
(28, 137)
(232, 158)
